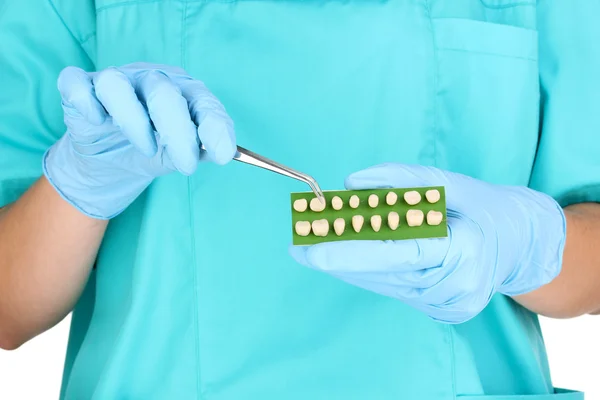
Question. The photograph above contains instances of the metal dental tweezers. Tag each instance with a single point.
(248, 157)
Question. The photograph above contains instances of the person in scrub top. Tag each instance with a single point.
(177, 264)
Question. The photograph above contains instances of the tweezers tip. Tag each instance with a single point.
(319, 193)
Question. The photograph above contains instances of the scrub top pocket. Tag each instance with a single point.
(487, 99)
(560, 394)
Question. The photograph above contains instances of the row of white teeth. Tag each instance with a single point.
(320, 227)
(411, 197)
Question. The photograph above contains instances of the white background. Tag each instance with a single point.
(33, 372)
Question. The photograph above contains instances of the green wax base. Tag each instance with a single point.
(367, 233)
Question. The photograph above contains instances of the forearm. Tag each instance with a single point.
(47, 249)
(576, 291)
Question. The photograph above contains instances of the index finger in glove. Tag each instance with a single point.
(394, 176)
(118, 96)
(170, 115)
(215, 127)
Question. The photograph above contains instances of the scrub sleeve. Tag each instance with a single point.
(568, 160)
(36, 46)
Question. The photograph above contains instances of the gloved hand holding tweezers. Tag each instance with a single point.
(126, 126)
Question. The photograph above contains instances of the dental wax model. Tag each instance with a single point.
(414, 217)
(316, 205)
(301, 205)
(303, 228)
(369, 214)
(337, 203)
(373, 201)
(393, 220)
(357, 222)
(391, 198)
(434, 217)
(376, 222)
(432, 196)
(412, 197)
(338, 226)
(320, 227)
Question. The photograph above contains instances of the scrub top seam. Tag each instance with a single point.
(129, 3)
(184, 15)
(486, 53)
(434, 127)
(64, 23)
(195, 282)
(87, 37)
(134, 2)
(450, 330)
(505, 6)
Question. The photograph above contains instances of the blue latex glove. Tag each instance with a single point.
(502, 239)
(127, 126)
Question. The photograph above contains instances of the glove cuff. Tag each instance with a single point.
(67, 174)
(541, 256)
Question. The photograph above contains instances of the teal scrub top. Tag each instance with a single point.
(194, 295)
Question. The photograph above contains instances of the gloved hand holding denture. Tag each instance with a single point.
(502, 239)
(129, 125)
